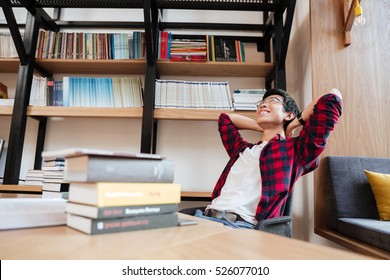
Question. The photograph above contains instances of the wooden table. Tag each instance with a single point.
(207, 240)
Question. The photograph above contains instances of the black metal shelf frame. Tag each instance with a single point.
(277, 18)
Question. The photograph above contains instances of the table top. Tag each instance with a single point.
(207, 240)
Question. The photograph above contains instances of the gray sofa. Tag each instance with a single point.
(351, 206)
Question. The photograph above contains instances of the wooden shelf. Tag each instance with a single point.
(216, 69)
(196, 194)
(192, 114)
(138, 67)
(21, 189)
(352, 244)
(54, 111)
(9, 65)
(135, 113)
(6, 110)
(94, 66)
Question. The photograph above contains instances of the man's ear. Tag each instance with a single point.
(289, 116)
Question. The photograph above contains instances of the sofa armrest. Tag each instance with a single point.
(280, 226)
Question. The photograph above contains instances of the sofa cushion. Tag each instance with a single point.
(373, 232)
(349, 194)
(380, 185)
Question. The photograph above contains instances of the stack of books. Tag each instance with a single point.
(181, 47)
(29, 212)
(118, 191)
(246, 99)
(54, 185)
(34, 177)
(188, 48)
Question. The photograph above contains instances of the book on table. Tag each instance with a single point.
(93, 165)
(55, 186)
(99, 226)
(79, 151)
(124, 193)
(95, 212)
(55, 194)
(31, 212)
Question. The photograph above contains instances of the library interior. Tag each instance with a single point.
(109, 115)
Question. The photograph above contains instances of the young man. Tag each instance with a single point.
(258, 178)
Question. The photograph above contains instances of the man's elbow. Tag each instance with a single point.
(336, 92)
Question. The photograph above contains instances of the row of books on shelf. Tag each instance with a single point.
(84, 45)
(201, 95)
(7, 46)
(193, 95)
(199, 48)
(115, 92)
(127, 92)
(108, 191)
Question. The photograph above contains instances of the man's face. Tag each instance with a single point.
(270, 112)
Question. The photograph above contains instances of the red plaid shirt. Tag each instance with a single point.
(282, 161)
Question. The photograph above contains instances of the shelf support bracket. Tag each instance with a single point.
(348, 18)
(22, 98)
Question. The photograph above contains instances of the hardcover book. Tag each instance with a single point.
(54, 194)
(31, 212)
(79, 151)
(91, 168)
(55, 187)
(95, 212)
(99, 226)
(124, 194)
(96, 165)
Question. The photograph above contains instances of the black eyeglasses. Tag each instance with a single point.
(269, 100)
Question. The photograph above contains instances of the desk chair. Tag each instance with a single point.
(280, 225)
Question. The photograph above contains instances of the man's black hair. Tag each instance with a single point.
(289, 104)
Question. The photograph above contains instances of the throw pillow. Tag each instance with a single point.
(380, 185)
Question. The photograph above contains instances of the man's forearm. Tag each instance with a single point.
(242, 122)
(309, 110)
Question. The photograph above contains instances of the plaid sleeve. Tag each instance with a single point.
(314, 135)
(231, 138)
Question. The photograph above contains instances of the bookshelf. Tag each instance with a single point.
(93, 66)
(54, 111)
(276, 15)
(189, 114)
(221, 69)
(9, 65)
(6, 110)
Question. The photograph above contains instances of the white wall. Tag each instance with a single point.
(193, 145)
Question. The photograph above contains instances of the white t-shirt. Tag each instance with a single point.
(242, 190)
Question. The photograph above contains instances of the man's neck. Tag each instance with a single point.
(269, 133)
